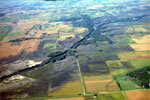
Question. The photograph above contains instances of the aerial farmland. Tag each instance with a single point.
(74, 50)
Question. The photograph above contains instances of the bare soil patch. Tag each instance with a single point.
(138, 94)
(6, 49)
(73, 98)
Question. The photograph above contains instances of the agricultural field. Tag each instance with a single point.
(114, 64)
(142, 43)
(137, 95)
(68, 88)
(92, 64)
(72, 98)
(104, 83)
(140, 63)
(133, 56)
(141, 47)
(13, 50)
(112, 96)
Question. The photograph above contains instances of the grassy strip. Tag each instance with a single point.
(124, 95)
(81, 77)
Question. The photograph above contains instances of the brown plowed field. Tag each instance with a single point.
(138, 95)
(6, 49)
(73, 98)
(101, 84)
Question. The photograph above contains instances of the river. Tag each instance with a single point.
(74, 46)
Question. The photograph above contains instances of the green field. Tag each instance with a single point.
(51, 45)
(140, 63)
(111, 96)
(69, 88)
(126, 83)
(114, 64)
(11, 35)
(36, 74)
